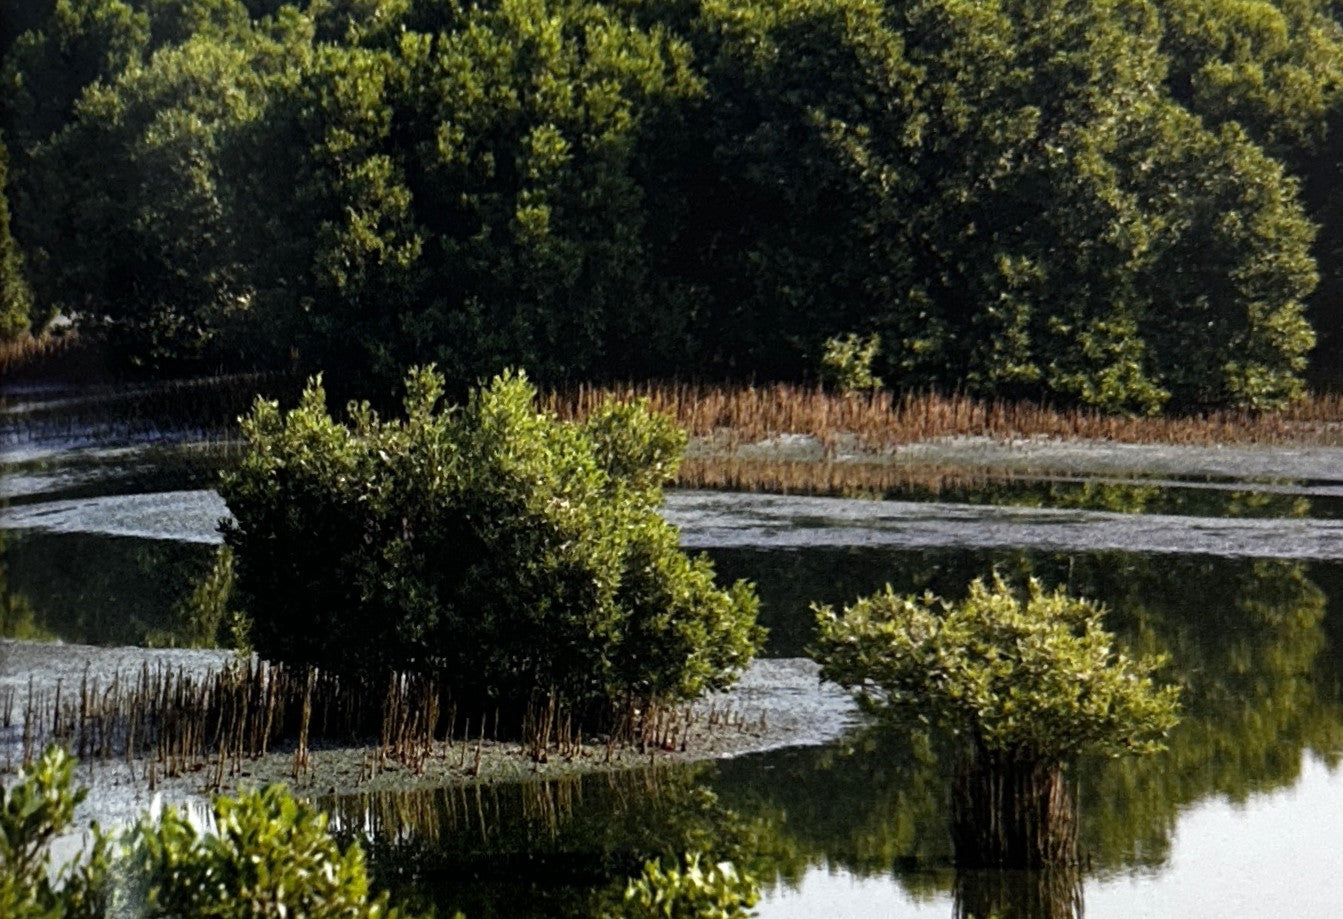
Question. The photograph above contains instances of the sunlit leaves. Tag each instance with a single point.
(15, 298)
(1273, 66)
(1033, 678)
(35, 807)
(269, 855)
(690, 889)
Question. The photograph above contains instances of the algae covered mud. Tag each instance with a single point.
(1227, 559)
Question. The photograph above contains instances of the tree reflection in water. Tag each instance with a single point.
(1053, 893)
(1247, 642)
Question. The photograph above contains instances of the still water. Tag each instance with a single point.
(1238, 579)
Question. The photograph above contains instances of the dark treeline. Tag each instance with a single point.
(1106, 202)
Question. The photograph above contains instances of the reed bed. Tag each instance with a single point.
(843, 479)
(731, 417)
(166, 723)
(722, 418)
(48, 352)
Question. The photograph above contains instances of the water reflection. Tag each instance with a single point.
(46, 421)
(99, 473)
(97, 589)
(1207, 499)
(561, 847)
(17, 618)
(1260, 689)
(1247, 639)
(1052, 894)
(1253, 641)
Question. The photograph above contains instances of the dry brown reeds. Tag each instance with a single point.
(731, 417)
(174, 722)
(729, 472)
(29, 351)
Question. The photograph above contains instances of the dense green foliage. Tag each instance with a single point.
(1028, 679)
(1099, 201)
(846, 363)
(269, 855)
(494, 547)
(15, 299)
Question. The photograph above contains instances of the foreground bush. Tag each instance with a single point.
(34, 810)
(1025, 682)
(493, 547)
(270, 856)
(690, 890)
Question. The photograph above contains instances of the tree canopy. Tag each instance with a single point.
(1097, 202)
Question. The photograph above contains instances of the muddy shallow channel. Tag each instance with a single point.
(1229, 560)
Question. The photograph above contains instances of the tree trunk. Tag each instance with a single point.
(1011, 814)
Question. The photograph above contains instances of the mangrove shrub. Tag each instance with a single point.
(1026, 681)
(269, 855)
(491, 547)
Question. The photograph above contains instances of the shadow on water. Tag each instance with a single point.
(94, 474)
(17, 616)
(48, 420)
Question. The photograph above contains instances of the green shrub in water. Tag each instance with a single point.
(690, 890)
(1033, 677)
(494, 546)
(1027, 682)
